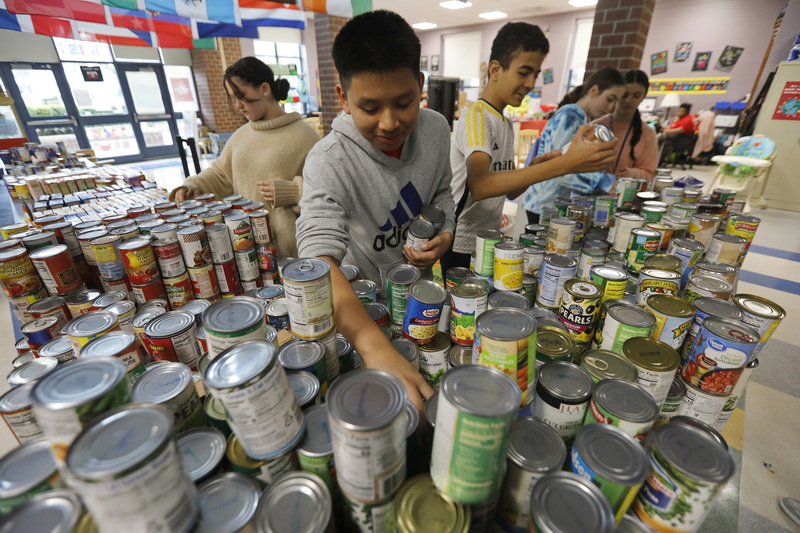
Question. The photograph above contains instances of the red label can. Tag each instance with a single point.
(54, 306)
(194, 246)
(267, 257)
(179, 290)
(220, 243)
(204, 282)
(18, 276)
(249, 285)
(57, 269)
(151, 291)
(227, 277)
(140, 261)
(163, 206)
(137, 210)
(170, 259)
(270, 278)
(121, 285)
(240, 231)
(259, 222)
(65, 234)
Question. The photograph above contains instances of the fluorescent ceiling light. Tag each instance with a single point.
(582, 3)
(493, 15)
(423, 26)
(455, 4)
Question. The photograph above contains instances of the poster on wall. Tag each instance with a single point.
(91, 73)
(701, 61)
(682, 52)
(547, 76)
(658, 63)
(788, 107)
(435, 63)
(689, 85)
(728, 59)
(423, 63)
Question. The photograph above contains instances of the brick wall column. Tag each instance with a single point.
(326, 27)
(619, 34)
(209, 67)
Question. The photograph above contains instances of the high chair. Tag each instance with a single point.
(745, 167)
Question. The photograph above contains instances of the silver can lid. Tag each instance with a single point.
(169, 324)
(716, 307)
(197, 307)
(317, 439)
(366, 400)
(363, 286)
(136, 242)
(298, 354)
(53, 511)
(505, 324)
(162, 383)
(90, 324)
(407, 348)
(143, 316)
(433, 213)
(729, 237)
(553, 515)
(428, 292)
(343, 346)
(716, 435)
(278, 307)
(540, 312)
(350, 272)
(298, 502)
(693, 452)
(120, 308)
(227, 503)
(109, 345)
(109, 298)
(508, 300)
(710, 283)
(677, 389)
(412, 419)
(603, 132)
(32, 371)
(625, 400)
(467, 289)
(611, 273)
(632, 316)
(270, 292)
(605, 364)
(430, 409)
(25, 467)
(17, 398)
(566, 381)
(233, 314)
(201, 450)
(305, 386)
(118, 441)
(481, 391)
(240, 363)
(688, 244)
(47, 251)
(78, 382)
(305, 269)
(631, 524)
(612, 454)
(490, 234)
(535, 446)
(58, 347)
(730, 330)
(562, 261)
(403, 274)
(421, 228)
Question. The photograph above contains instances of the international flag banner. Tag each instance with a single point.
(38, 24)
(338, 8)
(73, 9)
(267, 13)
(215, 10)
(133, 5)
(205, 29)
(155, 22)
(103, 33)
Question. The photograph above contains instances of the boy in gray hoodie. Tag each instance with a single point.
(384, 159)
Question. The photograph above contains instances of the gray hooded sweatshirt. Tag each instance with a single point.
(357, 201)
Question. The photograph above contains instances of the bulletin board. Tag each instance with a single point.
(689, 85)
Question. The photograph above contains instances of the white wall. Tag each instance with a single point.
(19, 46)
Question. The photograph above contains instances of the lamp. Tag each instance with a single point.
(670, 100)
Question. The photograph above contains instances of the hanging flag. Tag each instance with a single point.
(133, 5)
(207, 28)
(338, 8)
(38, 24)
(155, 22)
(72, 10)
(266, 13)
(216, 10)
(103, 33)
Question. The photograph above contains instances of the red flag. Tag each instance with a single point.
(67, 9)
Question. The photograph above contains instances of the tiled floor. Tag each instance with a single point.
(763, 436)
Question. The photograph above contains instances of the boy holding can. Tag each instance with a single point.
(384, 159)
(482, 151)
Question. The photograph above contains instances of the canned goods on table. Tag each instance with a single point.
(278, 314)
(456, 275)
(107, 255)
(39, 331)
(171, 337)
(656, 281)
(485, 240)
(555, 271)
(219, 242)
(307, 283)
(266, 471)
(139, 260)
(170, 259)
(379, 313)
(228, 502)
(171, 385)
(202, 451)
(315, 451)
(252, 386)
(761, 314)
(84, 328)
(613, 461)
(474, 411)
(178, 290)
(398, 285)
(307, 496)
(507, 300)
(624, 405)
(121, 345)
(673, 317)
(433, 358)
(704, 308)
(366, 290)
(603, 364)
(129, 455)
(31, 371)
(642, 243)
(307, 356)
(16, 408)
(532, 259)
(688, 251)
(621, 322)
(702, 227)
(549, 512)
(306, 388)
(612, 279)
(18, 276)
(423, 311)
(508, 266)
(26, 471)
(552, 344)
(580, 303)
(57, 269)
(744, 226)
(247, 264)
(675, 396)
(656, 364)
(726, 249)
(560, 235)
(260, 226)
(194, 245)
(228, 322)
(624, 223)
(241, 233)
(688, 467)
(562, 396)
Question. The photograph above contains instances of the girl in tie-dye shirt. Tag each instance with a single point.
(587, 102)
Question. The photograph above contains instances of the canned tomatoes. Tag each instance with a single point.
(474, 411)
(398, 284)
(508, 266)
(424, 308)
(139, 261)
(204, 282)
(307, 283)
(469, 300)
(169, 258)
(229, 322)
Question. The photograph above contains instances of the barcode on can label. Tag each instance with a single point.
(310, 307)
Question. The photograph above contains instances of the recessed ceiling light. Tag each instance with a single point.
(493, 15)
(424, 26)
(582, 3)
(455, 4)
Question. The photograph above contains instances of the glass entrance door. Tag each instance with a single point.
(152, 110)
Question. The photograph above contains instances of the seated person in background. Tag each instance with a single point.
(637, 152)
(384, 159)
(263, 159)
(683, 125)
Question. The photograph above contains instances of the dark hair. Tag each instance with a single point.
(687, 107)
(640, 78)
(605, 78)
(515, 38)
(254, 72)
(376, 41)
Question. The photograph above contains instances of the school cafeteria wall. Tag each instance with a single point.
(561, 30)
(711, 25)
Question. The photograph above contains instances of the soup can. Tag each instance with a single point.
(743, 226)
(84, 328)
(612, 279)
(535, 450)
(16, 408)
(278, 314)
(474, 411)
(656, 364)
(654, 281)
(228, 322)
(315, 451)
(469, 300)
(423, 310)
(194, 245)
(241, 233)
(108, 257)
(673, 318)
(307, 283)
(433, 359)
(262, 410)
(310, 501)
(142, 294)
(706, 285)
(620, 323)
(505, 339)
(624, 405)
(555, 271)
(57, 269)
(549, 512)
(580, 304)
(129, 455)
(508, 266)
(178, 290)
(705, 307)
(219, 243)
(761, 314)
(368, 438)
(122, 345)
(169, 257)
(485, 241)
(560, 235)
(140, 261)
(624, 223)
(688, 251)
(610, 459)
(308, 356)
(18, 275)
(171, 386)
(171, 337)
(563, 391)
(204, 282)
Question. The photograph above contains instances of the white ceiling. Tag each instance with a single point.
(415, 11)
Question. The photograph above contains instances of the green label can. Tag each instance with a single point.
(398, 285)
(484, 251)
(642, 243)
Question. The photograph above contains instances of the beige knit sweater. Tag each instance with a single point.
(263, 150)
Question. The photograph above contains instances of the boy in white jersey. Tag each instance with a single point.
(482, 146)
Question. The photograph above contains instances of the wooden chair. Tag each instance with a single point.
(525, 140)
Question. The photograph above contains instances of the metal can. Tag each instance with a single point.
(589, 257)
(142, 294)
(40, 331)
(560, 235)
(369, 437)
(219, 242)
(675, 396)
(555, 271)
(623, 322)
(85, 239)
(194, 245)
(240, 231)
(170, 259)
(654, 281)
(366, 290)
(227, 275)
(84, 328)
(417, 498)
(307, 283)
(80, 301)
(31, 371)
(622, 404)
(688, 251)
(27, 470)
(420, 231)
(455, 276)
(656, 364)
(164, 231)
(349, 360)
(278, 314)
(485, 241)
(532, 259)
(664, 230)
(673, 318)
(308, 356)
(309, 499)
(702, 405)
(204, 282)
(16, 408)
(505, 339)
(398, 284)
(761, 314)
(580, 303)
(508, 266)
(727, 272)
(423, 310)
(624, 223)
(433, 359)
(171, 337)
(549, 513)
(562, 396)
(612, 279)
(247, 264)
(743, 226)
(700, 285)
(306, 388)
(469, 300)
(582, 215)
(735, 396)
(719, 355)
(604, 365)
(121, 345)
(603, 213)
(228, 502)
(140, 261)
(702, 227)
(171, 385)
(507, 300)
(107, 256)
(260, 226)
(66, 400)
(141, 467)
(141, 319)
(379, 313)
(178, 290)
(552, 343)
(315, 451)
(642, 243)
(727, 249)
(57, 269)
(474, 411)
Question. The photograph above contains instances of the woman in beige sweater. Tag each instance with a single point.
(263, 160)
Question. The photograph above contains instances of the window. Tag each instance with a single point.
(181, 88)
(579, 53)
(72, 50)
(287, 60)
